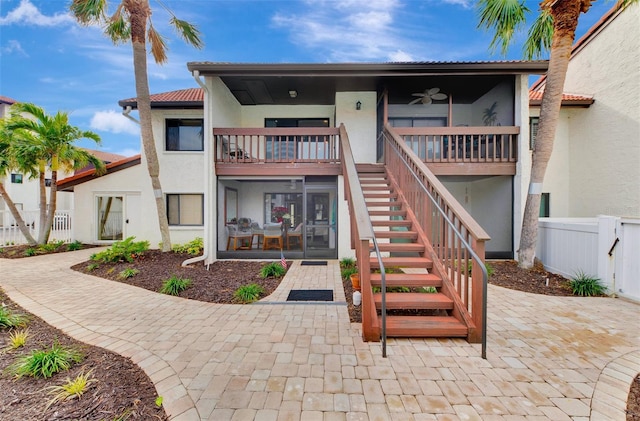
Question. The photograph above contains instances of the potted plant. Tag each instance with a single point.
(280, 213)
(355, 281)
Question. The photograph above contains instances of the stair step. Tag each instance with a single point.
(407, 280)
(378, 188)
(402, 262)
(425, 326)
(388, 213)
(389, 204)
(363, 169)
(380, 195)
(414, 300)
(372, 180)
(390, 223)
(401, 247)
(411, 235)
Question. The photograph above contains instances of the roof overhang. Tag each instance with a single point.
(67, 184)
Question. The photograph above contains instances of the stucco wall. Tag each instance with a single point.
(604, 139)
(360, 124)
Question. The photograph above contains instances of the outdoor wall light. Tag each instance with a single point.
(293, 93)
(358, 105)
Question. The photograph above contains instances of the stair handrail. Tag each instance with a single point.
(479, 232)
(364, 227)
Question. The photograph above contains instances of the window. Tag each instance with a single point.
(184, 135)
(544, 205)
(47, 182)
(185, 209)
(533, 132)
(16, 178)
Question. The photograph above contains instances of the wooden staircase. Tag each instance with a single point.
(417, 303)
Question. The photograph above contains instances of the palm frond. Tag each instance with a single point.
(118, 27)
(540, 36)
(188, 32)
(88, 12)
(158, 45)
(505, 17)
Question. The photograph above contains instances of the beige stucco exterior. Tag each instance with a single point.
(595, 166)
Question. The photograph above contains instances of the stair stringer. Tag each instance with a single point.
(459, 311)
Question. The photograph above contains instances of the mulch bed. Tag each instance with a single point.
(536, 280)
(122, 387)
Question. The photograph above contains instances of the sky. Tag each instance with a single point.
(50, 60)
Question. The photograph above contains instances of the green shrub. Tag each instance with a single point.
(31, 251)
(248, 293)
(45, 362)
(128, 273)
(348, 271)
(192, 248)
(121, 251)
(71, 388)
(273, 269)
(11, 319)
(51, 246)
(347, 262)
(92, 266)
(585, 285)
(18, 338)
(175, 285)
(428, 290)
(76, 245)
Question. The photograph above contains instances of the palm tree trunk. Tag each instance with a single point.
(138, 17)
(53, 202)
(565, 19)
(43, 206)
(16, 215)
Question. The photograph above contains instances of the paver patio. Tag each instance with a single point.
(549, 358)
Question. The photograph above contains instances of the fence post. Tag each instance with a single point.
(606, 262)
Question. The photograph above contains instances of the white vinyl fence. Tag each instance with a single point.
(10, 234)
(605, 247)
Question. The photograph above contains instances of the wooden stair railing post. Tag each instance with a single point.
(477, 297)
(370, 325)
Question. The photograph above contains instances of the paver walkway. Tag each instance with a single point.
(549, 358)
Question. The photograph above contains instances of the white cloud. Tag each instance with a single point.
(13, 46)
(127, 152)
(111, 121)
(28, 14)
(467, 4)
(351, 30)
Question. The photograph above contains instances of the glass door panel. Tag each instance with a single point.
(110, 217)
(321, 222)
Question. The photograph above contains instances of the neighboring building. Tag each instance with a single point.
(595, 165)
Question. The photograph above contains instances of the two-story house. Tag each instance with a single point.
(430, 160)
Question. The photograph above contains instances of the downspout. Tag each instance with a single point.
(207, 170)
(127, 111)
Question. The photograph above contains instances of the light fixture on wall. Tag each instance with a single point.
(293, 93)
(358, 105)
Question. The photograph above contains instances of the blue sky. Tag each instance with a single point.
(48, 59)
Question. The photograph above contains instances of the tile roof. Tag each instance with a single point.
(68, 183)
(190, 96)
(535, 98)
(7, 100)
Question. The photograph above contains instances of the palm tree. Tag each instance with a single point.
(131, 21)
(47, 141)
(7, 163)
(553, 30)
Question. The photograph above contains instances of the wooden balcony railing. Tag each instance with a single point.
(277, 145)
(456, 241)
(494, 144)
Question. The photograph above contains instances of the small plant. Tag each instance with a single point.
(18, 338)
(45, 362)
(348, 271)
(428, 290)
(272, 269)
(175, 285)
(50, 246)
(11, 319)
(192, 248)
(585, 285)
(30, 252)
(159, 400)
(76, 245)
(347, 262)
(128, 273)
(121, 251)
(248, 293)
(71, 388)
(92, 266)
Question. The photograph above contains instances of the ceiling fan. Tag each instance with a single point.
(428, 96)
